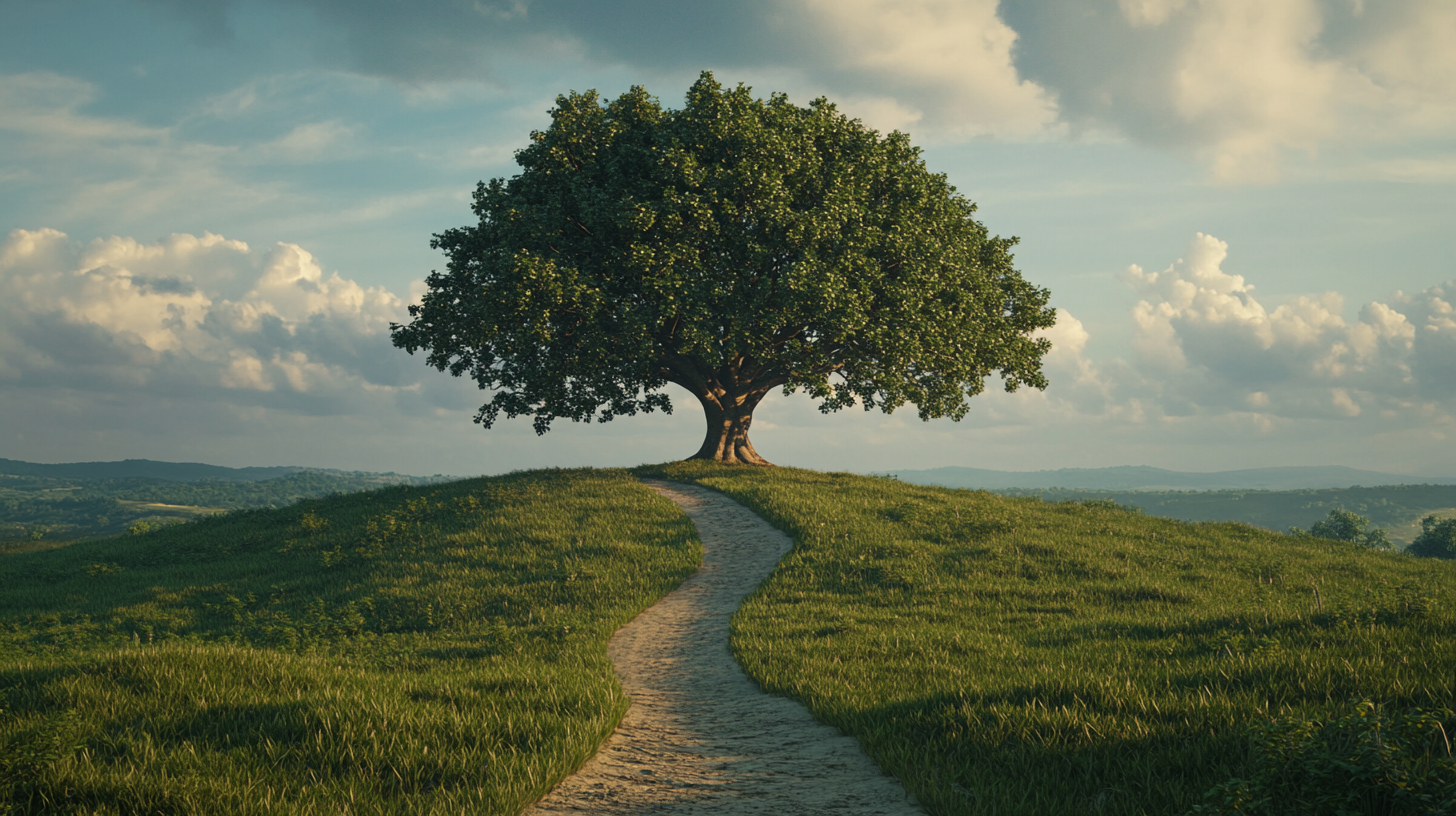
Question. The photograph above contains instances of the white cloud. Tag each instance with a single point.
(310, 142)
(1205, 344)
(45, 104)
(80, 164)
(74, 166)
(941, 65)
(1245, 83)
(195, 315)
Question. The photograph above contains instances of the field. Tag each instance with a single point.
(1011, 656)
(408, 650)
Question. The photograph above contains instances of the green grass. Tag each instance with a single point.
(1006, 655)
(410, 650)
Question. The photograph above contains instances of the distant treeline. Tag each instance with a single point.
(1396, 508)
(50, 507)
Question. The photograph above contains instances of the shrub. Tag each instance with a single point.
(1342, 525)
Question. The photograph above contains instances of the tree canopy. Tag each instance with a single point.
(732, 247)
(1437, 538)
(1343, 525)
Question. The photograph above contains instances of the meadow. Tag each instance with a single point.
(441, 649)
(1013, 656)
(420, 650)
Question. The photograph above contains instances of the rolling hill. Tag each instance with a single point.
(1151, 478)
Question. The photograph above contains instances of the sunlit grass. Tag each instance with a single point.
(410, 650)
(1010, 656)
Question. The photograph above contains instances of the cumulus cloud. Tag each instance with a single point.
(942, 66)
(1243, 82)
(1205, 344)
(199, 316)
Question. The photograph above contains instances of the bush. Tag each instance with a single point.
(1369, 762)
(1342, 525)
(1437, 538)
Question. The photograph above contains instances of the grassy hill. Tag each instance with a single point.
(441, 650)
(1013, 656)
(407, 650)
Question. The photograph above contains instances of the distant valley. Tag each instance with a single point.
(1151, 478)
(41, 502)
(1273, 498)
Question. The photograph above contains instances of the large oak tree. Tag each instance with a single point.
(732, 247)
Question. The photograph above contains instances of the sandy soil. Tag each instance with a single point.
(700, 736)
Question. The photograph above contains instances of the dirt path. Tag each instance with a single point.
(700, 737)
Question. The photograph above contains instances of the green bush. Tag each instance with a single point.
(1342, 525)
(1368, 762)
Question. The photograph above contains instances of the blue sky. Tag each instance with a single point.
(210, 211)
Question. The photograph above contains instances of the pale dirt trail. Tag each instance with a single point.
(700, 736)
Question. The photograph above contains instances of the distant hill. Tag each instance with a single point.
(1151, 478)
(145, 469)
(189, 472)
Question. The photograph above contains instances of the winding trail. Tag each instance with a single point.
(700, 736)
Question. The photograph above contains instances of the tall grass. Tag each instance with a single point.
(1010, 656)
(410, 650)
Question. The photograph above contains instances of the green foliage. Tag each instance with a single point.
(1007, 655)
(732, 247)
(1369, 762)
(1437, 538)
(1343, 525)
(406, 650)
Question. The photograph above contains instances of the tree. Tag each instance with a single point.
(1437, 538)
(1343, 525)
(732, 247)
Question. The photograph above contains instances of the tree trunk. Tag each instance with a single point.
(727, 438)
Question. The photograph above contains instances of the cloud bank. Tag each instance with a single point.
(1204, 347)
(205, 318)
(1243, 83)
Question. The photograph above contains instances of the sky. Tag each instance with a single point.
(1245, 212)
